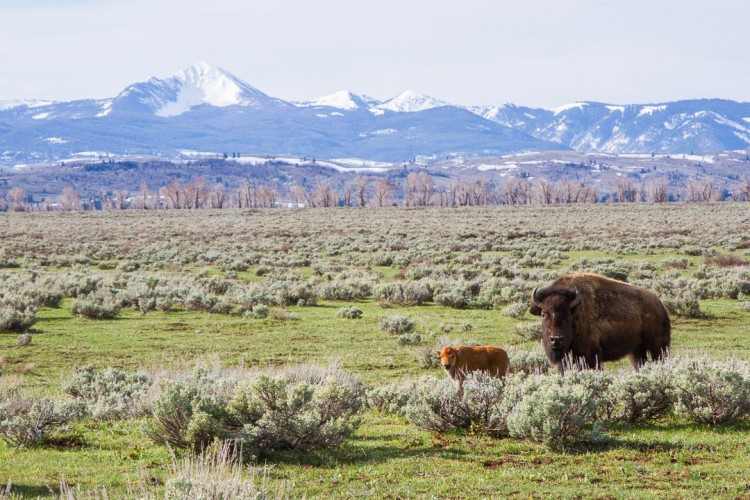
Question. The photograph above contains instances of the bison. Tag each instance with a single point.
(461, 360)
(592, 318)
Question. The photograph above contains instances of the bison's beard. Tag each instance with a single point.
(554, 355)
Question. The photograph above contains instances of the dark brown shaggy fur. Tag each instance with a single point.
(612, 320)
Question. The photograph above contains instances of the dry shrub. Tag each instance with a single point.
(726, 260)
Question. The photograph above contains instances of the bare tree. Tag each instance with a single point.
(144, 200)
(383, 192)
(745, 188)
(173, 195)
(700, 190)
(658, 191)
(16, 199)
(217, 197)
(266, 196)
(419, 188)
(516, 191)
(70, 200)
(359, 189)
(545, 191)
(575, 192)
(120, 200)
(324, 195)
(301, 197)
(195, 194)
(479, 192)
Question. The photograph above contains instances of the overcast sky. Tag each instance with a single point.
(468, 52)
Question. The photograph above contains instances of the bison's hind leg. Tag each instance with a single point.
(659, 354)
(638, 357)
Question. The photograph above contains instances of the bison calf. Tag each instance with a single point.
(461, 360)
(597, 319)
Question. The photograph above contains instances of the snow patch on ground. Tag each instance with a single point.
(568, 107)
(505, 166)
(650, 110)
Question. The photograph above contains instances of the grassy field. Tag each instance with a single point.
(655, 246)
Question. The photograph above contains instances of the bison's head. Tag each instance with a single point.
(448, 357)
(555, 305)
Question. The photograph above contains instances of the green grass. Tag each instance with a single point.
(387, 456)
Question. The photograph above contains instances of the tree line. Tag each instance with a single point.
(417, 189)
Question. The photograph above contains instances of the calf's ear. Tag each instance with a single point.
(535, 310)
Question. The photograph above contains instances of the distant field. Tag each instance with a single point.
(183, 289)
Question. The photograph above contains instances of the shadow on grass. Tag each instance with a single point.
(23, 491)
(358, 452)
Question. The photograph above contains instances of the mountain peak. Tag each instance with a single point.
(196, 85)
(343, 99)
(411, 101)
(202, 83)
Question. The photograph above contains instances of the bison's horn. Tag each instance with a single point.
(534, 298)
(576, 300)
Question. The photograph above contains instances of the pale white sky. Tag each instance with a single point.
(468, 52)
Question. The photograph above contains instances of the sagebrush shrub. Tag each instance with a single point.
(458, 294)
(23, 340)
(274, 414)
(184, 416)
(295, 410)
(401, 294)
(100, 304)
(528, 361)
(409, 339)
(516, 309)
(198, 300)
(25, 419)
(110, 394)
(555, 414)
(683, 303)
(712, 392)
(640, 396)
(260, 311)
(529, 331)
(16, 316)
(484, 395)
(349, 313)
(396, 324)
(435, 406)
(387, 399)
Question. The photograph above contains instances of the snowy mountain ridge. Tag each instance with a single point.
(203, 108)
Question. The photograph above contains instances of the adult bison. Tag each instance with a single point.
(461, 360)
(597, 319)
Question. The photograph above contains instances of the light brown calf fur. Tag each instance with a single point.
(458, 361)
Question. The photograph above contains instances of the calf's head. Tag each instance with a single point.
(448, 357)
(555, 305)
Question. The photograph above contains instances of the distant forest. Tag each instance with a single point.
(225, 183)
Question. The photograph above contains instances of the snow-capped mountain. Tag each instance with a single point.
(342, 99)
(203, 108)
(410, 102)
(676, 127)
(197, 85)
